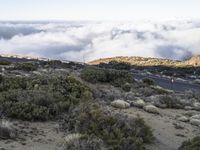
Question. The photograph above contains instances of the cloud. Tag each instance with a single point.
(81, 41)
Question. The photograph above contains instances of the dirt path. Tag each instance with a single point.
(34, 136)
(169, 133)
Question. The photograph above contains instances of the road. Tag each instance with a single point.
(179, 86)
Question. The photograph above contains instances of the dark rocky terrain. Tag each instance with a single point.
(49, 104)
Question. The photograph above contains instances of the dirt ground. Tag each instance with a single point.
(34, 136)
(169, 132)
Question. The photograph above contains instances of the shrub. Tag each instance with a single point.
(5, 62)
(7, 83)
(114, 77)
(120, 65)
(26, 66)
(171, 102)
(193, 144)
(84, 142)
(148, 81)
(117, 131)
(52, 97)
(126, 87)
(6, 130)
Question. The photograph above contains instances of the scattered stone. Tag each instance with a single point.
(195, 122)
(120, 104)
(188, 108)
(178, 126)
(196, 105)
(196, 117)
(183, 119)
(139, 103)
(151, 109)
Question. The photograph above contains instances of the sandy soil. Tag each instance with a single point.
(34, 136)
(169, 132)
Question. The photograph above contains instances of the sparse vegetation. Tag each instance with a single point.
(5, 62)
(126, 87)
(26, 66)
(193, 144)
(171, 102)
(114, 77)
(52, 97)
(148, 81)
(92, 119)
(6, 131)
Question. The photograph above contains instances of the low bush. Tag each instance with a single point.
(26, 66)
(117, 131)
(5, 62)
(148, 81)
(171, 102)
(53, 96)
(84, 143)
(120, 65)
(114, 77)
(193, 144)
(126, 87)
(8, 83)
(6, 130)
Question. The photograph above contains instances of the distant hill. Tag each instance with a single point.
(194, 61)
(142, 61)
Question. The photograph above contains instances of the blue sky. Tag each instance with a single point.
(98, 9)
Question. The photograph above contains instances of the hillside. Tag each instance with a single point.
(51, 105)
(141, 61)
(194, 61)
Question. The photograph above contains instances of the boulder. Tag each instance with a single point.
(139, 103)
(120, 104)
(196, 105)
(183, 119)
(188, 108)
(196, 117)
(195, 122)
(151, 109)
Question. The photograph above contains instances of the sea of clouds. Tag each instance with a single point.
(84, 41)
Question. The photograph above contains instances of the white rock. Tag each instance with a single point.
(188, 108)
(196, 117)
(139, 103)
(196, 105)
(151, 109)
(183, 119)
(195, 122)
(120, 104)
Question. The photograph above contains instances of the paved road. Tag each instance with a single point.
(179, 86)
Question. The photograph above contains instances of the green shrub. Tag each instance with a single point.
(117, 131)
(148, 81)
(171, 102)
(114, 77)
(26, 66)
(5, 62)
(85, 143)
(7, 83)
(120, 65)
(126, 87)
(53, 96)
(193, 144)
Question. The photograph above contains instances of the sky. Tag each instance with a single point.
(98, 9)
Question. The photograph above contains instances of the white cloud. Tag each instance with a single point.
(91, 40)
